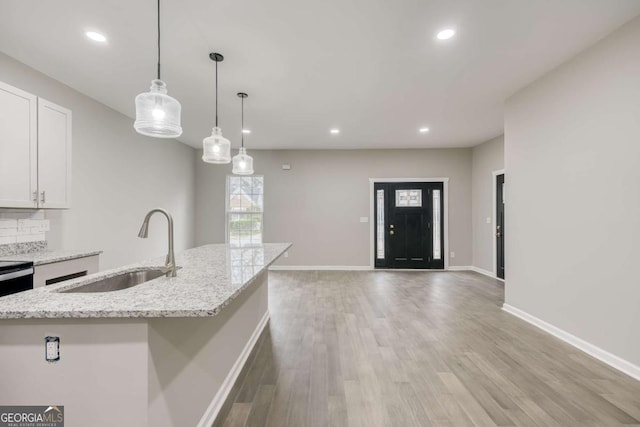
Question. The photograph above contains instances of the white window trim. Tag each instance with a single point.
(445, 213)
(226, 206)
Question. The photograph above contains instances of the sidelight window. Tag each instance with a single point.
(380, 224)
(437, 218)
(245, 210)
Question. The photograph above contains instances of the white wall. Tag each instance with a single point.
(485, 159)
(118, 176)
(318, 203)
(572, 158)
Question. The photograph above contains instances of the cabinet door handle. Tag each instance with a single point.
(42, 197)
(35, 197)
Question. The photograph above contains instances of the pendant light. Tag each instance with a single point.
(242, 162)
(158, 114)
(216, 148)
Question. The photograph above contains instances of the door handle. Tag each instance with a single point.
(498, 234)
(16, 274)
(391, 233)
(35, 197)
(42, 197)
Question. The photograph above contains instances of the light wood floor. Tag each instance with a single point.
(416, 349)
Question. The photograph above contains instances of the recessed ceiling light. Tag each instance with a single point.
(246, 131)
(96, 37)
(335, 131)
(424, 130)
(446, 34)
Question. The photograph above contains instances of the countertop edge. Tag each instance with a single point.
(67, 258)
(136, 314)
(50, 256)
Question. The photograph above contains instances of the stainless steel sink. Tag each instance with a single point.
(124, 280)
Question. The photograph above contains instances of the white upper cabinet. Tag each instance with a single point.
(54, 155)
(35, 151)
(18, 148)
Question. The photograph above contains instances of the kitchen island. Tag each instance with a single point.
(165, 352)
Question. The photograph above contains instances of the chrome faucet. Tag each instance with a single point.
(170, 263)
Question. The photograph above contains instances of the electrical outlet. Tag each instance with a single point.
(286, 254)
(452, 255)
(52, 349)
(488, 220)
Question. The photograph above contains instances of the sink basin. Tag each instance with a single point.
(124, 280)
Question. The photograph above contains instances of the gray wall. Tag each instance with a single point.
(572, 151)
(118, 176)
(318, 203)
(485, 159)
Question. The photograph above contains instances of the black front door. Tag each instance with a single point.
(500, 225)
(409, 228)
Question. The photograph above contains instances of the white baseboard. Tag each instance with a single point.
(592, 350)
(215, 406)
(459, 268)
(476, 269)
(320, 267)
(368, 268)
(353, 268)
(484, 272)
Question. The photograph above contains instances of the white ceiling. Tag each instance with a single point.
(372, 68)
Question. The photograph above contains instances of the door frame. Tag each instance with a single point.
(494, 181)
(445, 215)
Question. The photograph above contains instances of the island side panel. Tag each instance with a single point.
(193, 361)
(101, 374)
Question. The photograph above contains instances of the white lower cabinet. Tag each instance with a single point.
(56, 272)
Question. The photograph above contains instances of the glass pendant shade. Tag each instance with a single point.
(216, 148)
(242, 163)
(158, 114)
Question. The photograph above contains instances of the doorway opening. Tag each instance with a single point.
(499, 221)
(409, 223)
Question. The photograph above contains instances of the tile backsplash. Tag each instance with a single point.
(22, 226)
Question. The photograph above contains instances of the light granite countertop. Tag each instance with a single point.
(210, 277)
(49, 256)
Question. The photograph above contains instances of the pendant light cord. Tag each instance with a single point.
(158, 39)
(216, 93)
(242, 122)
